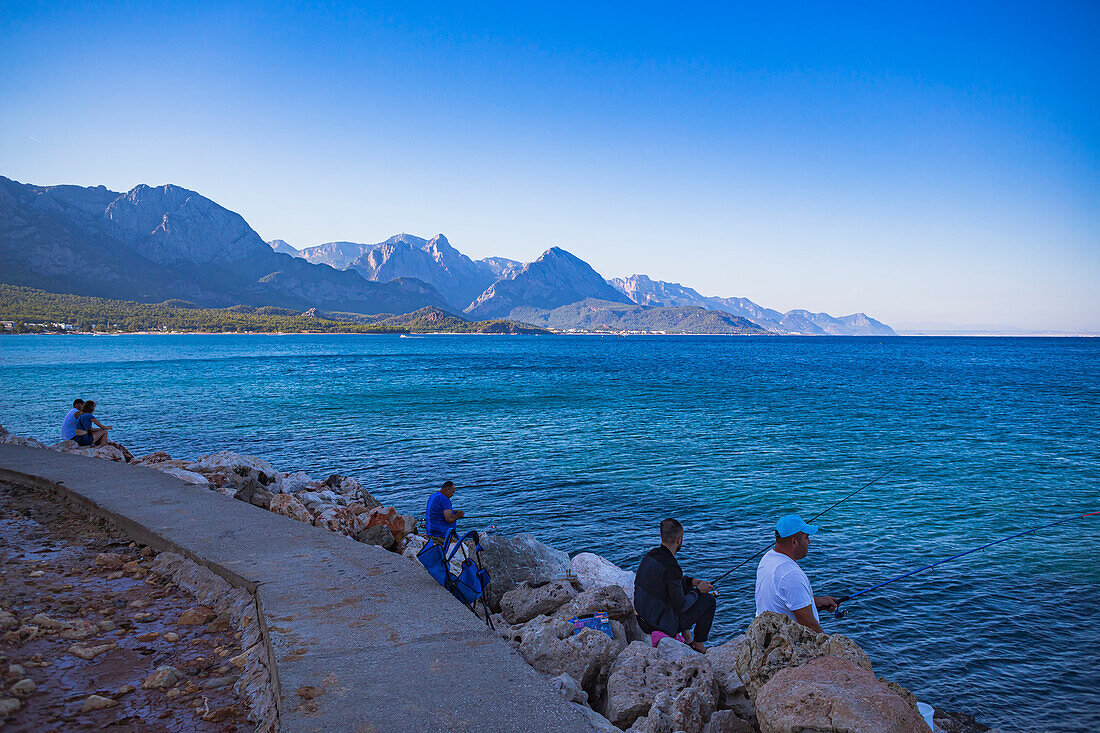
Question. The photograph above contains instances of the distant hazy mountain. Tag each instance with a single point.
(501, 266)
(555, 279)
(338, 255)
(152, 244)
(600, 315)
(282, 247)
(435, 261)
(645, 291)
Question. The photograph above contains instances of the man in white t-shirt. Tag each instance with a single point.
(781, 585)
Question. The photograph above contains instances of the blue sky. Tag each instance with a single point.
(920, 163)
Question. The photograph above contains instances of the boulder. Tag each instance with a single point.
(594, 571)
(188, 477)
(352, 489)
(377, 535)
(948, 722)
(514, 560)
(65, 445)
(12, 439)
(831, 694)
(126, 454)
(357, 518)
(723, 661)
(227, 462)
(226, 468)
(568, 688)
(414, 543)
(311, 500)
(774, 642)
(903, 693)
(609, 599)
(599, 723)
(290, 483)
(686, 711)
(151, 459)
(639, 675)
(727, 721)
(401, 525)
(253, 492)
(550, 646)
(335, 518)
(524, 602)
(675, 651)
(289, 506)
(331, 497)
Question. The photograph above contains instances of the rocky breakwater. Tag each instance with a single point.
(777, 677)
(338, 503)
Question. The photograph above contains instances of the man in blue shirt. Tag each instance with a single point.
(68, 425)
(441, 517)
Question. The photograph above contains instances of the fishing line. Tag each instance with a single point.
(840, 614)
(819, 514)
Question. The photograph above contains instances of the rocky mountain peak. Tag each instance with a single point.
(283, 247)
(170, 224)
(555, 279)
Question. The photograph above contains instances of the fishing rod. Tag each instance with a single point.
(841, 613)
(819, 514)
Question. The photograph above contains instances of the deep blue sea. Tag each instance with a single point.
(588, 442)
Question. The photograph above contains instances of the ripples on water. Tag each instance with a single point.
(588, 442)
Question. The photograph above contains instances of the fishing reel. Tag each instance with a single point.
(838, 612)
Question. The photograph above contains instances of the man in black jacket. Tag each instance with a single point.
(666, 599)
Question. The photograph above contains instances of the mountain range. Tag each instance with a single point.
(155, 243)
(151, 244)
(645, 291)
(529, 292)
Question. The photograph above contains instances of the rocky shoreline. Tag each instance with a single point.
(776, 677)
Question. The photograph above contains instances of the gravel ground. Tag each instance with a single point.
(90, 639)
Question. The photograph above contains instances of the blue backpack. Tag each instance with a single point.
(472, 580)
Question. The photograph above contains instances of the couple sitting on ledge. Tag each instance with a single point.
(81, 426)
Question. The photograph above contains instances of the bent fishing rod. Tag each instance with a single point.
(839, 613)
(819, 514)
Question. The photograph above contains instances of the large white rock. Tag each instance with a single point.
(182, 474)
(225, 461)
(291, 483)
(595, 572)
(513, 560)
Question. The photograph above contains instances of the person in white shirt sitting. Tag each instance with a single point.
(781, 585)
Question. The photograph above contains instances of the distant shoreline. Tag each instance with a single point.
(561, 333)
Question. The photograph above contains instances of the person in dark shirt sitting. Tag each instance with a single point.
(667, 600)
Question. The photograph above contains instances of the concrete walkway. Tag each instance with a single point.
(390, 649)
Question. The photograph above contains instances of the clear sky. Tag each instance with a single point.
(924, 162)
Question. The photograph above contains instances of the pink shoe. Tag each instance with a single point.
(656, 636)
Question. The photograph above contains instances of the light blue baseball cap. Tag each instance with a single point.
(792, 524)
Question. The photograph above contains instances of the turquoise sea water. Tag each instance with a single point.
(589, 441)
